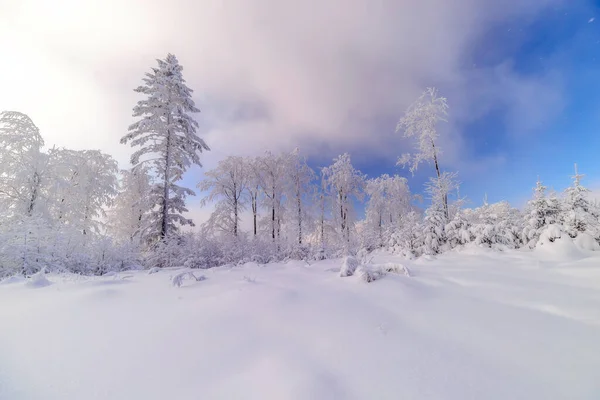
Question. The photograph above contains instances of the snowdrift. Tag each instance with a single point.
(482, 326)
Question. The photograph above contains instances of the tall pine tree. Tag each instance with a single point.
(166, 136)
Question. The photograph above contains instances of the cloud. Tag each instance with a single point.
(268, 74)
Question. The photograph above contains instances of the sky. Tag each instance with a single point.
(522, 79)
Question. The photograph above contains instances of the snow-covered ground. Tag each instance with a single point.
(468, 325)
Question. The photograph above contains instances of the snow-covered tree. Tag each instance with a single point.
(433, 235)
(405, 239)
(420, 121)
(85, 183)
(344, 183)
(389, 199)
(578, 214)
(299, 191)
(227, 185)
(23, 165)
(496, 225)
(271, 173)
(253, 190)
(541, 212)
(166, 136)
(128, 217)
(459, 230)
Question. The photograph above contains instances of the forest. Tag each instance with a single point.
(75, 210)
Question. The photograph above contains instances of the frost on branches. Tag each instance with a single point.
(389, 200)
(227, 185)
(166, 136)
(420, 121)
(541, 211)
(53, 204)
(23, 164)
(579, 215)
(344, 183)
(129, 216)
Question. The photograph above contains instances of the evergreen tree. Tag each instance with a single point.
(166, 136)
(578, 214)
(541, 212)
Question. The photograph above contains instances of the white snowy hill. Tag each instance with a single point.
(467, 325)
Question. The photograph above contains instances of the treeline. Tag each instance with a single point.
(70, 210)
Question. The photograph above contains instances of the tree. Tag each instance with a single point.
(270, 174)
(128, 218)
(496, 225)
(298, 187)
(253, 190)
(166, 136)
(227, 184)
(541, 212)
(389, 199)
(405, 239)
(578, 213)
(436, 216)
(344, 183)
(85, 183)
(23, 165)
(420, 121)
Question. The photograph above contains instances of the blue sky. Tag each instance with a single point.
(562, 41)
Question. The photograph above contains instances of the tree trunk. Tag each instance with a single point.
(380, 230)
(273, 214)
(254, 209)
(34, 194)
(439, 175)
(299, 213)
(165, 205)
(235, 211)
(322, 222)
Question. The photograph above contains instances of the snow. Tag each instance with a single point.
(349, 265)
(475, 324)
(38, 280)
(586, 242)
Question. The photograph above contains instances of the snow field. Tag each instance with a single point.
(466, 325)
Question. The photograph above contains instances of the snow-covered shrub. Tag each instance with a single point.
(395, 269)
(458, 230)
(349, 265)
(586, 241)
(496, 226)
(366, 273)
(550, 233)
(432, 236)
(38, 280)
(404, 240)
(178, 279)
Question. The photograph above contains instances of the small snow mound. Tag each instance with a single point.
(110, 273)
(12, 279)
(366, 274)
(396, 269)
(550, 234)
(178, 279)
(38, 280)
(153, 270)
(557, 245)
(349, 265)
(585, 241)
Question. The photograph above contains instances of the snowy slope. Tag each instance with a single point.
(469, 325)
